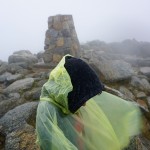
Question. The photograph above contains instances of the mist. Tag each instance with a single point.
(24, 22)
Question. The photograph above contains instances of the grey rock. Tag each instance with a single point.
(48, 57)
(4, 77)
(140, 62)
(126, 92)
(12, 78)
(66, 33)
(24, 65)
(2, 97)
(17, 117)
(41, 83)
(22, 56)
(148, 100)
(51, 33)
(3, 68)
(23, 52)
(20, 85)
(14, 68)
(60, 38)
(141, 95)
(40, 54)
(1, 62)
(34, 94)
(23, 138)
(67, 42)
(145, 71)
(9, 104)
(116, 70)
(14, 95)
(41, 65)
(141, 84)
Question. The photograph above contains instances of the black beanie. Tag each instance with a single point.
(86, 83)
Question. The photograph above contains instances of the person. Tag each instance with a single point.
(75, 113)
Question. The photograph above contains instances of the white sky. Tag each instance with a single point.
(23, 22)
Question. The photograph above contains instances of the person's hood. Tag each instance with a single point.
(58, 86)
(71, 84)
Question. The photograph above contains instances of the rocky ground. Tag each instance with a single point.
(22, 77)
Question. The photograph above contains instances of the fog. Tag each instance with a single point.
(24, 22)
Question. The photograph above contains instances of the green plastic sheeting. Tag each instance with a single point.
(107, 122)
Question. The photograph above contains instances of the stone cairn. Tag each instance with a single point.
(61, 39)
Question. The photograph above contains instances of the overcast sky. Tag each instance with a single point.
(23, 22)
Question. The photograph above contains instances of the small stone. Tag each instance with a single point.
(148, 100)
(56, 58)
(141, 95)
(60, 42)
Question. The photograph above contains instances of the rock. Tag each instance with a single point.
(22, 139)
(138, 62)
(4, 77)
(56, 58)
(145, 71)
(3, 68)
(60, 38)
(23, 52)
(12, 78)
(17, 117)
(20, 85)
(51, 33)
(42, 65)
(116, 70)
(40, 54)
(2, 97)
(47, 56)
(60, 42)
(14, 95)
(9, 104)
(22, 56)
(126, 92)
(141, 84)
(146, 130)
(148, 100)
(24, 65)
(41, 83)
(1, 62)
(34, 94)
(14, 68)
(141, 95)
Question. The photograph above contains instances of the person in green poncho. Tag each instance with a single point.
(106, 122)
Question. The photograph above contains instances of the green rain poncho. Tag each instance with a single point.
(106, 122)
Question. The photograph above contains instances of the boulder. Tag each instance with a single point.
(145, 71)
(22, 139)
(14, 96)
(141, 95)
(22, 56)
(148, 100)
(4, 77)
(3, 68)
(116, 70)
(9, 104)
(128, 94)
(141, 84)
(138, 62)
(34, 94)
(20, 85)
(12, 78)
(14, 68)
(19, 116)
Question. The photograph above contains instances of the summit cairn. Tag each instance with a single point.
(60, 38)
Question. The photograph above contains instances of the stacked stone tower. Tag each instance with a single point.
(61, 38)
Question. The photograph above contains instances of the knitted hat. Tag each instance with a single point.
(86, 83)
